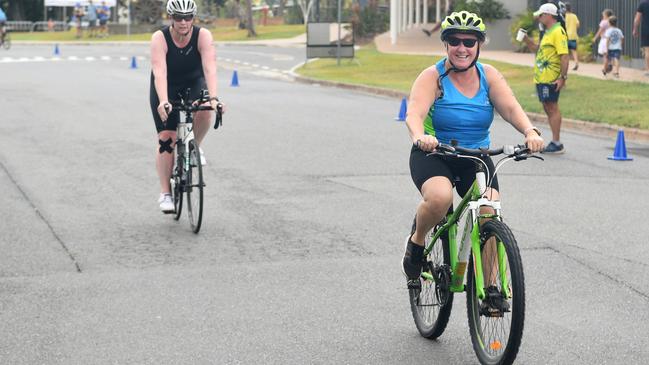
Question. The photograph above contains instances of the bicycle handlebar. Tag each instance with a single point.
(183, 104)
(517, 152)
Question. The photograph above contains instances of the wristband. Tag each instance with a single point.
(532, 128)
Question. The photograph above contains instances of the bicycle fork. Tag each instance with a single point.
(470, 244)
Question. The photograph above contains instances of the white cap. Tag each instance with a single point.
(547, 8)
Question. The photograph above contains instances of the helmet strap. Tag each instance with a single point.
(458, 70)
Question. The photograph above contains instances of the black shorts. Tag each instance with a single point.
(459, 171)
(644, 40)
(547, 92)
(196, 85)
(572, 44)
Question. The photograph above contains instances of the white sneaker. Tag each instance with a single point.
(203, 160)
(166, 203)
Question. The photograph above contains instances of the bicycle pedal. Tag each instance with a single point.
(414, 284)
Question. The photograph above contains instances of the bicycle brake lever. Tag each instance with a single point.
(218, 120)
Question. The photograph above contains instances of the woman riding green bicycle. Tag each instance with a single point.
(454, 100)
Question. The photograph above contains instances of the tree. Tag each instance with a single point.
(31, 10)
(250, 24)
(305, 6)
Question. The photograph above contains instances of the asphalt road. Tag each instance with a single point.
(308, 200)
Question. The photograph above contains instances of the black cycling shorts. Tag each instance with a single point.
(196, 86)
(644, 40)
(459, 171)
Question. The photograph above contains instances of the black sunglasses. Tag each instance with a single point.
(186, 18)
(468, 42)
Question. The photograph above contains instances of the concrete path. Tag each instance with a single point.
(414, 41)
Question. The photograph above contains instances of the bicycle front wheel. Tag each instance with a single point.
(496, 323)
(7, 43)
(177, 181)
(195, 187)
(432, 303)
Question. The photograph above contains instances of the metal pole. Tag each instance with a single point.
(339, 20)
(128, 20)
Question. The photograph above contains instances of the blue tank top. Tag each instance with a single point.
(457, 117)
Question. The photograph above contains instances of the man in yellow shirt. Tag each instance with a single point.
(550, 69)
(572, 24)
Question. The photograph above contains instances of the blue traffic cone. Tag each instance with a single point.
(56, 50)
(402, 111)
(620, 149)
(235, 79)
(133, 63)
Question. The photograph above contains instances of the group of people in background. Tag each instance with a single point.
(609, 38)
(610, 43)
(97, 17)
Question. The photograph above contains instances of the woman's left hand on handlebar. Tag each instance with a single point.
(534, 142)
(214, 104)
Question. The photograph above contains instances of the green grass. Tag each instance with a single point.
(584, 98)
(219, 33)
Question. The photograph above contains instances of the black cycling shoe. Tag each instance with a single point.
(413, 261)
(494, 303)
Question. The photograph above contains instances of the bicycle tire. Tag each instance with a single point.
(178, 188)
(7, 42)
(431, 305)
(489, 333)
(195, 188)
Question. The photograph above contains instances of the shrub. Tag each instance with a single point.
(488, 10)
(524, 21)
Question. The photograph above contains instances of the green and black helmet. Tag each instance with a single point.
(463, 22)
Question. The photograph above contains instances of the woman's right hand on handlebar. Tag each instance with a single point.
(164, 108)
(426, 143)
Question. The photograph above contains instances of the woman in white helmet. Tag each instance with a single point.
(182, 56)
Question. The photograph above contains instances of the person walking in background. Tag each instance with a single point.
(641, 21)
(550, 69)
(91, 15)
(602, 49)
(572, 24)
(3, 20)
(614, 38)
(78, 16)
(103, 13)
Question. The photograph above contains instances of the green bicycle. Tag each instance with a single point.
(495, 297)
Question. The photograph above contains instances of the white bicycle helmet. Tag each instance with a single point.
(181, 7)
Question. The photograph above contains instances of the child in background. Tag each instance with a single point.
(614, 38)
(603, 26)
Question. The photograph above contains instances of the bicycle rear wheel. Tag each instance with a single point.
(195, 187)
(496, 337)
(177, 181)
(431, 304)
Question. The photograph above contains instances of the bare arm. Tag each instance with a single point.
(208, 57)
(561, 82)
(636, 23)
(531, 45)
(422, 96)
(507, 106)
(159, 68)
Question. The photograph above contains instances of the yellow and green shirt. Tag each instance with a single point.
(554, 43)
(572, 23)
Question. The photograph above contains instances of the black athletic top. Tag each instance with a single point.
(183, 64)
(643, 8)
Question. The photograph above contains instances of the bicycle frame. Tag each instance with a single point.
(184, 134)
(470, 243)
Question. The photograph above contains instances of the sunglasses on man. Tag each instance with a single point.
(186, 18)
(468, 42)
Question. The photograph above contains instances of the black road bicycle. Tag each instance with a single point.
(187, 176)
